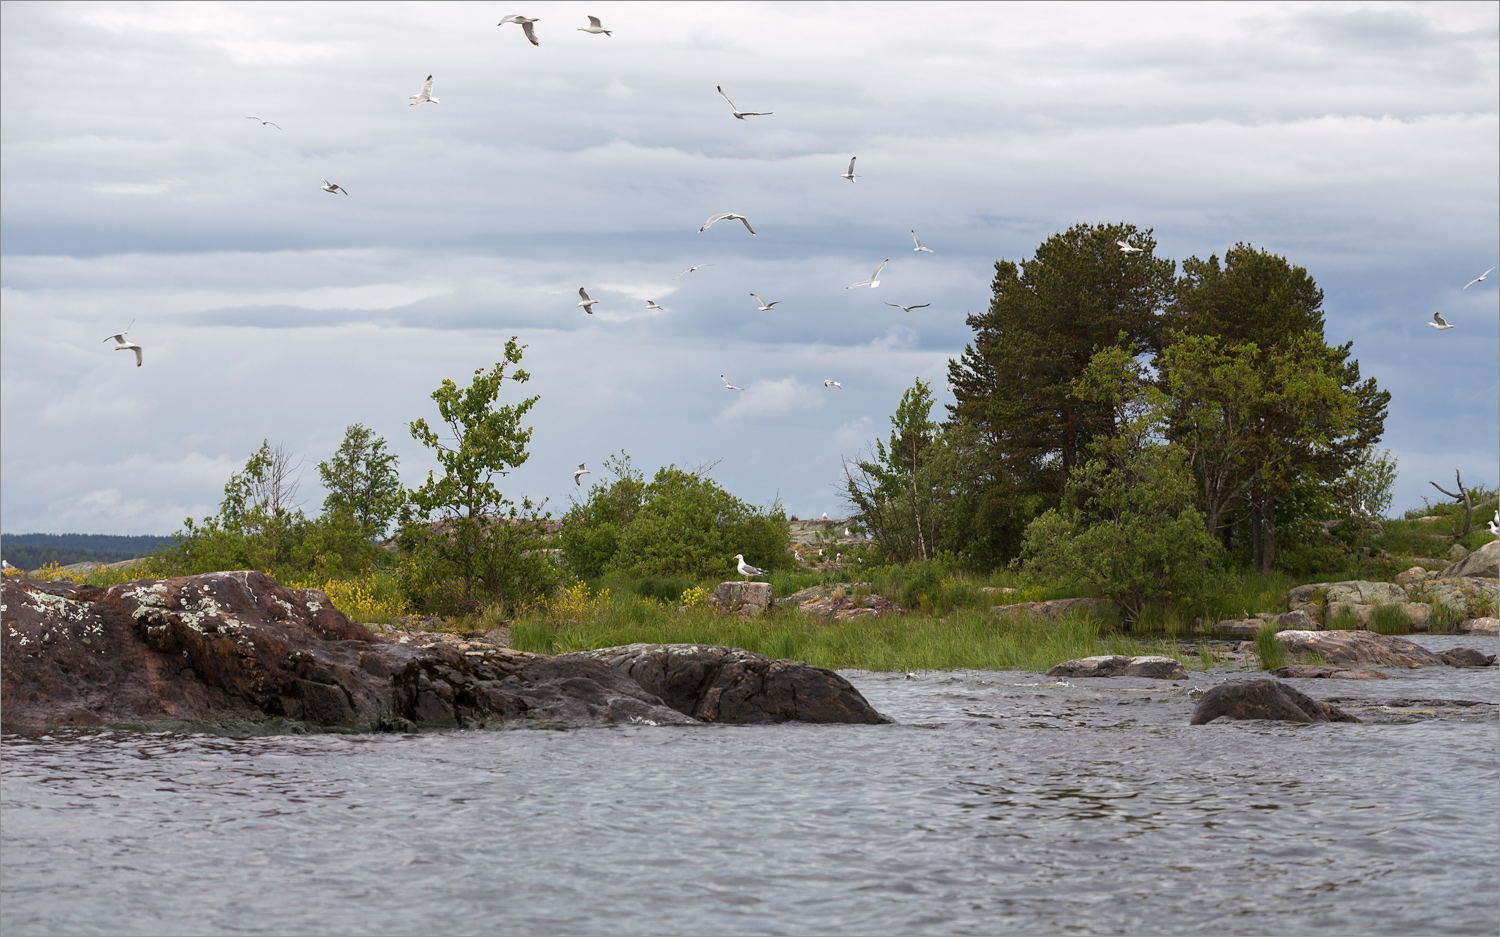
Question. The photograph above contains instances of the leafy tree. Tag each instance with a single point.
(1127, 526)
(459, 524)
(1254, 297)
(1049, 315)
(362, 481)
(258, 524)
(590, 534)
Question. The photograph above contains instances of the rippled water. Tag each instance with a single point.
(1001, 803)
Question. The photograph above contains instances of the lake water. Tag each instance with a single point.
(1000, 803)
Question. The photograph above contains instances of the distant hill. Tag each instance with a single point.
(33, 551)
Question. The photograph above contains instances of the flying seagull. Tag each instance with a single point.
(874, 279)
(909, 308)
(727, 216)
(525, 23)
(919, 246)
(594, 27)
(1126, 248)
(1479, 278)
(1438, 322)
(695, 267)
(832, 384)
(587, 304)
(651, 305)
(764, 306)
(746, 569)
(267, 123)
(849, 173)
(739, 114)
(952, 387)
(580, 473)
(425, 95)
(331, 188)
(122, 345)
(727, 385)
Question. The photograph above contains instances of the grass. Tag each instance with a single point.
(1345, 620)
(968, 638)
(1391, 619)
(1272, 652)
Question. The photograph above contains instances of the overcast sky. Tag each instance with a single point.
(1360, 141)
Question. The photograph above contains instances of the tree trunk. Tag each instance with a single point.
(1263, 531)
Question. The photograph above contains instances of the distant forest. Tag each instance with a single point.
(33, 551)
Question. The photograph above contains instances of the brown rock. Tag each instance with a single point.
(1359, 648)
(1487, 626)
(1310, 671)
(1117, 665)
(1483, 563)
(743, 598)
(1467, 657)
(1264, 699)
(1056, 608)
(730, 685)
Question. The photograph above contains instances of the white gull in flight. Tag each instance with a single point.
(874, 279)
(525, 23)
(737, 112)
(267, 123)
(832, 384)
(1479, 278)
(919, 246)
(764, 306)
(425, 94)
(594, 27)
(727, 216)
(587, 304)
(849, 173)
(580, 473)
(122, 345)
(909, 308)
(1438, 322)
(1126, 248)
(727, 385)
(331, 188)
(692, 268)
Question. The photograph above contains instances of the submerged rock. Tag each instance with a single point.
(240, 646)
(1311, 671)
(725, 684)
(1118, 665)
(1264, 699)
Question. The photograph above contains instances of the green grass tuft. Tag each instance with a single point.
(1272, 652)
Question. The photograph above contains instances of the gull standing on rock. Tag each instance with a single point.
(425, 95)
(764, 306)
(122, 345)
(692, 268)
(1479, 278)
(746, 569)
(832, 384)
(1438, 322)
(849, 173)
(525, 23)
(331, 188)
(727, 385)
(586, 303)
(919, 246)
(874, 279)
(267, 123)
(739, 114)
(1127, 249)
(580, 473)
(727, 216)
(909, 308)
(594, 27)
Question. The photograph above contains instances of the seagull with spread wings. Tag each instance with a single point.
(1438, 322)
(1127, 249)
(874, 278)
(833, 384)
(727, 216)
(764, 306)
(122, 345)
(332, 188)
(587, 304)
(651, 306)
(425, 95)
(594, 27)
(727, 385)
(525, 23)
(739, 114)
(267, 123)
(919, 247)
(909, 308)
(1480, 278)
(580, 473)
(849, 173)
(692, 268)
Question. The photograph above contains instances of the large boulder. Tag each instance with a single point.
(743, 598)
(1055, 609)
(1350, 592)
(1264, 699)
(842, 603)
(1359, 648)
(1464, 597)
(240, 646)
(1483, 563)
(725, 684)
(1117, 665)
(1480, 626)
(1467, 657)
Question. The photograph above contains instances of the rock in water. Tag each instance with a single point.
(725, 684)
(1467, 657)
(240, 646)
(1313, 672)
(1118, 665)
(1264, 699)
(1359, 648)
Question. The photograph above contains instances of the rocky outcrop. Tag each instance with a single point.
(1117, 665)
(730, 685)
(1351, 592)
(1483, 563)
(1466, 657)
(1313, 672)
(1055, 609)
(1263, 699)
(1463, 597)
(743, 598)
(1297, 620)
(1480, 626)
(1360, 648)
(837, 605)
(240, 646)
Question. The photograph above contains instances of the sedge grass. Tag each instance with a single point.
(1271, 651)
(966, 639)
